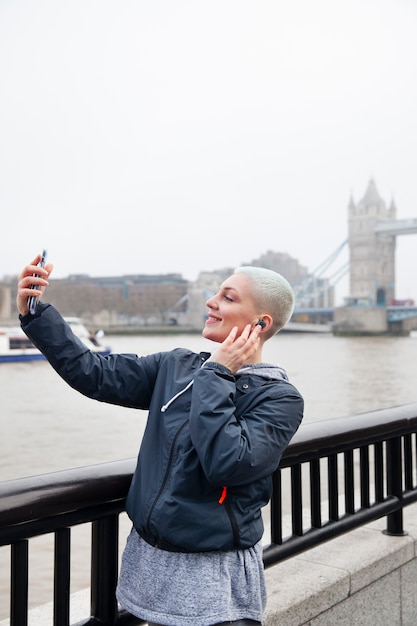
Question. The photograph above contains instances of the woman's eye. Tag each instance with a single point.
(228, 298)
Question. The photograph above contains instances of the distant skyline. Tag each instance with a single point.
(158, 137)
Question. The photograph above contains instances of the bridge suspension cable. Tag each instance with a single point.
(327, 262)
(313, 285)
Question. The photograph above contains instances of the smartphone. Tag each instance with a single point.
(33, 300)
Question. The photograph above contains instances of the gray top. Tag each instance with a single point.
(191, 589)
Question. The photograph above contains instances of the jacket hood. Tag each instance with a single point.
(266, 370)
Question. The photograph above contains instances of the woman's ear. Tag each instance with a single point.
(264, 321)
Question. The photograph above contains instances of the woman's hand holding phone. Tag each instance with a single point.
(31, 284)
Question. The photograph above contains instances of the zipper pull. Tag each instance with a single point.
(223, 496)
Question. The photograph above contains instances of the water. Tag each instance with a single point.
(47, 426)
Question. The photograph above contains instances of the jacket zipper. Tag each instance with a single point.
(167, 471)
(232, 519)
(231, 516)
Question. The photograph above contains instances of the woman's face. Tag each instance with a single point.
(233, 305)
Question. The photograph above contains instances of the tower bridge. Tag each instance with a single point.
(371, 306)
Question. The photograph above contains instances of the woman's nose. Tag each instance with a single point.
(211, 303)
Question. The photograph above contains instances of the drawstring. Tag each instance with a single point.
(165, 406)
(177, 395)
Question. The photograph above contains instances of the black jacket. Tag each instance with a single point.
(211, 443)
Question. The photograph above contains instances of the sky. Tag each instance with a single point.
(184, 136)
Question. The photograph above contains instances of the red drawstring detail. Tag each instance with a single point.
(223, 496)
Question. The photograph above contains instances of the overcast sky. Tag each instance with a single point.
(181, 135)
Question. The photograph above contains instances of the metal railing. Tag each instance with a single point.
(335, 475)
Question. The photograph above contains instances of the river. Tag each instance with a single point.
(47, 426)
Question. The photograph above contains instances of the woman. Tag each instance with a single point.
(216, 429)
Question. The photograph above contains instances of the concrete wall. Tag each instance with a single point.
(360, 319)
(361, 578)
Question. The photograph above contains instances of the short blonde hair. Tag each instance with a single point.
(272, 293)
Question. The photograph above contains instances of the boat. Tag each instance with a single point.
(15, 346)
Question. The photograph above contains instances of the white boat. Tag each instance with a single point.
(16, 346)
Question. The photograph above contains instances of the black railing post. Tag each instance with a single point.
(19, 584)
(104, 568)
(364, 475)
(379, 471)
(276, 508)
(62, 567)
(349, 482)
(408, 463)
(333, 487)
(296, 500)
(315, 493)
(394, 485)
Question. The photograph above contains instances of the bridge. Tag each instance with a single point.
(371, 267)
(399, 313)
(320, 319)
(398, 227)
(373, 229)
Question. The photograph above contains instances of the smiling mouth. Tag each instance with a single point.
(211, 319)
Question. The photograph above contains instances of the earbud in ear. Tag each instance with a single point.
(261, 323)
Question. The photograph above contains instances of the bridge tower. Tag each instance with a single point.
(371, 250)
